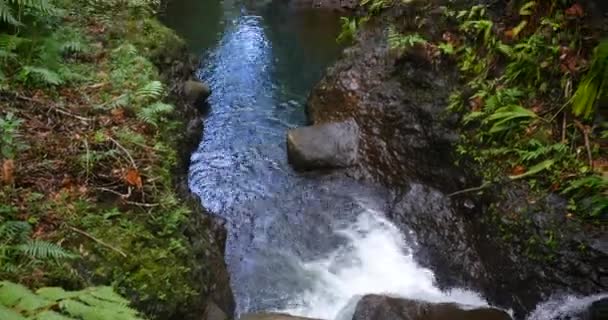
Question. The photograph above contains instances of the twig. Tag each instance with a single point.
(481, 187)
(86, 146)
(585, 130)
(564, 128)
(88, 235)
(53, 107)
(115, 192)
(125, 151)
(67, 113)
(141, 204)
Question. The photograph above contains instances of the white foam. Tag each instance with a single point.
(376, 259)
(563, 307)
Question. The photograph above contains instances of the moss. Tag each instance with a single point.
(133, 233)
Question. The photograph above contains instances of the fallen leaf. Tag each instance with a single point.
(8, 171)
(575, 11)
(118, 115)
(134, 178)
(476, 103)
(517, 170)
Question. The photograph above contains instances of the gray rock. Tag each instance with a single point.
(376, 307)
(271, 316)
(196, 91)
(213, 312)
(330, 145)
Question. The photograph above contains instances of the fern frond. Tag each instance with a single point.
(153, 90)
(14, 231)
(6, 14)
(9, 42)
(41, 75)
(72, 46)
(153, 113)
(39, 249)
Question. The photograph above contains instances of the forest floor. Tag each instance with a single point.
(89, 156)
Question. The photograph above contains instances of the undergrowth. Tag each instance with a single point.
(530, 105)
(87, 153)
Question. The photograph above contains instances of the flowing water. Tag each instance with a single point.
(307, 244)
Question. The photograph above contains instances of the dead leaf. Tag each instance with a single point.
(134, 178)
(518, 170)
(8, 171)
(118, 115)
(575, 11)
(476, 103)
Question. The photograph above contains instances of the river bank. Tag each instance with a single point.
(97, 135)
(477, 226)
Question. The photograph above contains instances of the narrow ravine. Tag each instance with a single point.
(305, 244)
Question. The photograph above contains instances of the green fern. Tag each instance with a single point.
(94, 303)
(153, 90)
(38, 249)
(18, 251)
(399, 41)
(11, 231)
(594, 85)
(36, 7)
(154, 113)
(510, 117)
(40, 76)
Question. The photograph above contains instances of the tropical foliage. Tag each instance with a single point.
(53, 303)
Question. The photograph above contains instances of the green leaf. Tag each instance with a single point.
(51, 315)
(527, 9)
(8, 314)
(535, 169)
(11, 293)
(55, 293)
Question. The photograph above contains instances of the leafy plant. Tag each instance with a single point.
(399, 41)
(18, 251)
(510, 117)
(592, 192)
(594, 84)
(9, 137)
(11, 11)
(348, 30)
(94, 303)
(154, 113)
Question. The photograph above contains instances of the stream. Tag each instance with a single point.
(305, 244)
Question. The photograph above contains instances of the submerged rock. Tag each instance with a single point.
(331, 145)
(376, 307)
(271, 316)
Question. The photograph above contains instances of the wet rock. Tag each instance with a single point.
(514, 249)
(598, 310)
(206, 234)
(196, 91)
(272, 316)
(398, 102)
(213, 312)
(376, 307)
(325, 4)
(330, 145)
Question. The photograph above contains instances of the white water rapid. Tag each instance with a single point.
(374, 259)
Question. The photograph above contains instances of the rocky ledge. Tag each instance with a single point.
(514, 248)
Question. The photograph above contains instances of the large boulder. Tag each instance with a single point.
(330, 145)
(271, 316)
(196, 91)
(376, 307)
